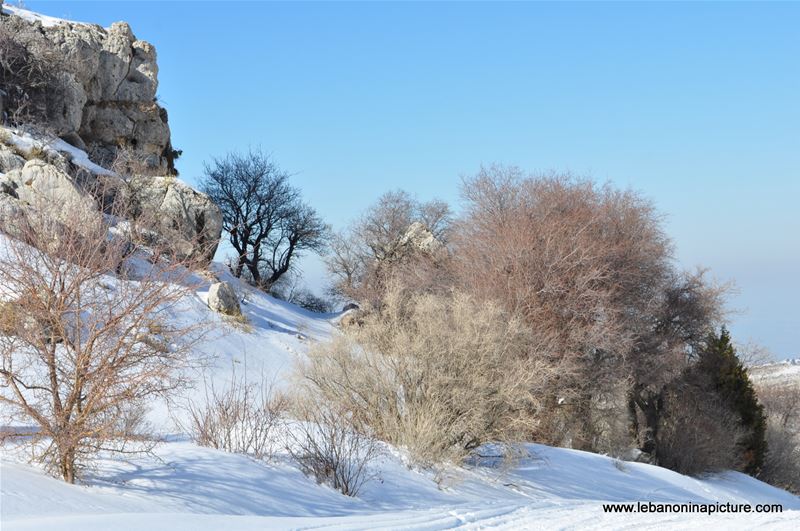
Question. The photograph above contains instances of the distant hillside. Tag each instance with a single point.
(779, 372)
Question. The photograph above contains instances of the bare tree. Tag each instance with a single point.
(268, 224)
(590, 270)
(781, 402)
(87, 337)
(365, 259)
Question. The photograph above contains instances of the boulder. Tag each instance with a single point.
(41, 184)
(418, 237)
(9, 160)
(222, 299)
(187, 216)
(187, 220)
(11, 211)
(350, 306)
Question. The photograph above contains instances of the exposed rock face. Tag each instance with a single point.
(107, 89)
(418, 237)
(188, 220)
(182, 213)
(43, 185)
(9, 160)
(222, 298)
(97, 93)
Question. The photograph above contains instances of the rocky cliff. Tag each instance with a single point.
(74, 98)
(102, 85)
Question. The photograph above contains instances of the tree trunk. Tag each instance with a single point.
(67, 464)
(633, 418)
(651, 405)
(239, 266)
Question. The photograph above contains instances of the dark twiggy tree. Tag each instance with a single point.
(266, 220)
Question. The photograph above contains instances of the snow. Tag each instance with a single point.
(187, 487)
(25, 142)
(182, 486)
(782, 372)
(47, 22)
(79, 157)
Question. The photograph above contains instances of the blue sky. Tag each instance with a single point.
(696, 105)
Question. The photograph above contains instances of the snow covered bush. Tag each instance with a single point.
(436, 375)
(243, 418)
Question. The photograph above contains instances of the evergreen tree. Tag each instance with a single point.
(727, 377)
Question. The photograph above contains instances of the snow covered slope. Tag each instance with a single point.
(184, 486)
(781, 372)
(187, 487)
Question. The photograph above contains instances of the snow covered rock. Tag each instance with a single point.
(222, 299)
(419, 237)
(39, 183)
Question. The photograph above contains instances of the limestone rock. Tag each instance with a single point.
(107, 83)
(222, 299)
(9, 160)
(182, 212)
(420, 238)
(41, 184)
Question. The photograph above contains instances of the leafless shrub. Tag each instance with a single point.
(327, 446)
(782, 405)
(366, 260)
(753, 354)
(291, 289)
(243, 418)
(589, 269)
(436, 375)
(129, 162)
(31, 75)
(82, 351)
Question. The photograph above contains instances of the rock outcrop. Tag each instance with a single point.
(41, 184)
(222, 299)
(182, 214)
(418, 237)
(95, 93)
(44, 178)
(104, 94)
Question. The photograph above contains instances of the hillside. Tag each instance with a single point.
(781, 372)
(184, 486)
